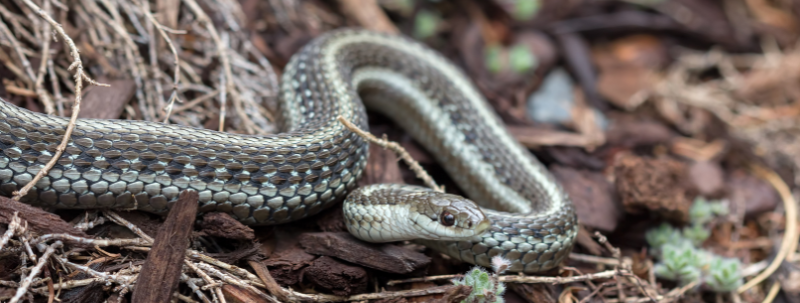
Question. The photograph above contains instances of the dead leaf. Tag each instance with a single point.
(594, 197)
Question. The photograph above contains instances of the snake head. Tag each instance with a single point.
(447, 217)
(396, 212)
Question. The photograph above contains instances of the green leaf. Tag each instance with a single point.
(696, 233)
(662, 235)
(501, 288)
(494, 59)
(688, 275)
(526, 9)
(469, 280)
(484, 282)
(680, 262)
(482, 285)
(724, 274)
(425, 24)
(719, 208)
(662, 271)
(700, 212)
(522, 59)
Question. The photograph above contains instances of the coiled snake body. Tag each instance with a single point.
(275, 179)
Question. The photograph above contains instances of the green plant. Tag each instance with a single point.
(719, 208)
(700, 212)
(521, 58)
(703, 211)
(680, 262)
(483, 286)
(494, 60)
(697, 233)
(724, 274)
(526, 9)
(661, 235)
(425, 24)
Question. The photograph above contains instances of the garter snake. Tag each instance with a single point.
(274, 179)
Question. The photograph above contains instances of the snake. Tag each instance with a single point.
(516, 209)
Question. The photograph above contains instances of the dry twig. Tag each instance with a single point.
(23, 288)
(12, 229)
(79, 77)
(418, 170)
(790, 237)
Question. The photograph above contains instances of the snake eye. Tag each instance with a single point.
(448, 219)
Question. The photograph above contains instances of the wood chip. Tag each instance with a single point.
(654, 184)
(39, 221)
(341, 279)
(236, 294)
(384, 257)
(224, 226)
(287, 261)
(162, 270)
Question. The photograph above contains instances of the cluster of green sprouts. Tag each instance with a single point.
(485, 287)
(682, 259)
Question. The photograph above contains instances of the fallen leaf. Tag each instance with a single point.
(594, 197)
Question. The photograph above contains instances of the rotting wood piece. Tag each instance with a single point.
(224, 226)
(384, 257)
(39, 221)
(652, 184)
(162, 270)
(235, 293)
(340, 278)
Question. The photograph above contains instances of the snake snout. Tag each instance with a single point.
(452, 218)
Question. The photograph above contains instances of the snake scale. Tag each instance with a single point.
(315, 161)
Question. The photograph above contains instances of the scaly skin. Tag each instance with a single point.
(314, 161)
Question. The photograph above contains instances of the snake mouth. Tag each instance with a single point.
(483, 226)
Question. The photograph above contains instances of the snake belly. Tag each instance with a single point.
(314, 161)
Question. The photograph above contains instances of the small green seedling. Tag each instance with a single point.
(724, 274)
(485, 287)
(482, 286)
(426, 23)
(661, 235)
(683, 260)
(696, 233)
